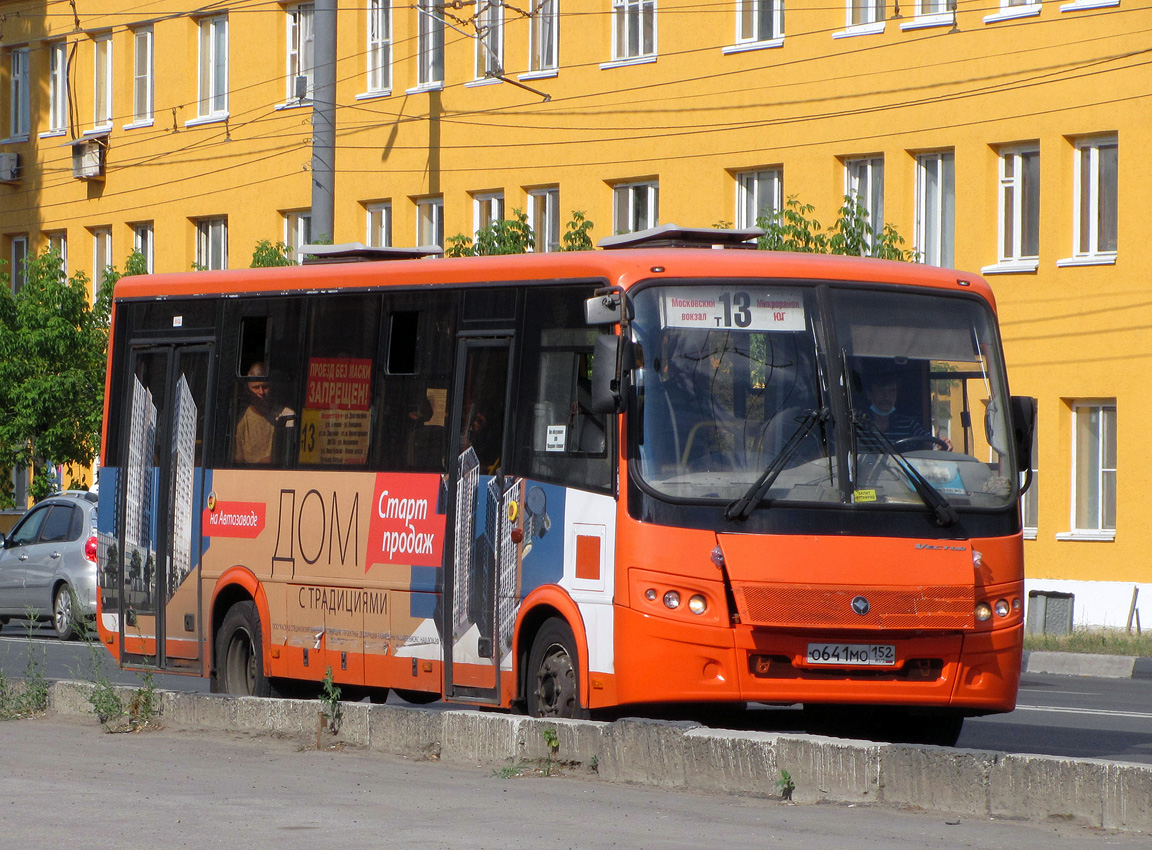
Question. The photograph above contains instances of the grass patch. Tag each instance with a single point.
(1093, 641)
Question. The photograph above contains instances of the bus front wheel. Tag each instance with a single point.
(240, 653)
(553, 683)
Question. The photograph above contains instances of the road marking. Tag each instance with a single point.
(1100, 711)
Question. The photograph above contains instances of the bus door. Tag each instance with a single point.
(160, 502)
(482, 553)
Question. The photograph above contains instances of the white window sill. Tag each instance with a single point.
(294, 104)
(753, 45)
(1012, 267)
(542, 74)
(101, 130)
(139, 125)
(1083, 5)
(1030, 534)
(860, 29)
(483, 81)
(52, 134)
(1102, 536)
(13, 140)
(1094, 260)
(371, 95)
(624, 63)
(1013, 14)
(426, 87)
(207, 119)
(926, 21)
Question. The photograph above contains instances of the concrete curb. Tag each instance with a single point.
(1087, 664)
(683, 755)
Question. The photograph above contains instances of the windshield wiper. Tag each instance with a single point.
(942, 512)
(742, 508)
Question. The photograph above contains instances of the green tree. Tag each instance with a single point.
(577, 233)
(503, 236)
(269, 254)
(53, 350)
(792, 228)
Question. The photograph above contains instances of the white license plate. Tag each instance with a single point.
(852, 654)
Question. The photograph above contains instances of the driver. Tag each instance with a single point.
(882, 392)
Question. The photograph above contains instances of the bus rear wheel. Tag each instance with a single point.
(240, 653)
(553, 678)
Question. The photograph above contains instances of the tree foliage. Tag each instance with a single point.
(515, 236)
(269, 254)
(793, 228)
(53, 350)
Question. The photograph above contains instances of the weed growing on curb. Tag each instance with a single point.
(786, 785)
(552, 741)
(330, 697)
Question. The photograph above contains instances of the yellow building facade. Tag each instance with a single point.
(1001, 137)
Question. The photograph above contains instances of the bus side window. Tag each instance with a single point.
(419, 349)
(259, 393)
(559, 439)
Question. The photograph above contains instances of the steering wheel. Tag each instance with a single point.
(926, 440)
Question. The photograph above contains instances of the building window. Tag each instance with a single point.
(487, 208)
(143, 243)
(864, 183)
(930, 13)
(865, 13)
(430, 222)
(101, 257)
(142, 76)
(544, 219)
(636, 206)
(936, 208)
(102, 81)
(633, 29)
(212, 243)
(58, 87)
(1095, 201)
(1019, 204)
(58, 242)
(758, 193)
(379, 46)
(544, 35)
(301, 68)
(20, 95)
(379, 225)
(1094, 467)
(1010, 9)
(1030, 500)
(430, 45)
(18, 262)
(213, 67)
(490, 38)
(298, 232)
(759, 20)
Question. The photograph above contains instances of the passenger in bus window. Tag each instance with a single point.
(882, 392)
(257, 428)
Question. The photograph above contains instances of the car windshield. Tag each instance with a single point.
(738, 385)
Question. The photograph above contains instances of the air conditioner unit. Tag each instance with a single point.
(9, 167)
(88, 159)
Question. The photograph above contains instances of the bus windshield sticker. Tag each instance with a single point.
(337, 411)
(731, 308)
(557, 438)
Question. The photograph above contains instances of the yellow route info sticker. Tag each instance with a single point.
(864, 496)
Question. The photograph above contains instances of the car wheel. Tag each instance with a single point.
(553, 683)
(63, 615)
(240, 653)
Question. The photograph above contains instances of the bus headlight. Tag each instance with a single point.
(697, 604)
(983, 612)
(1003, 609)
(672, 599)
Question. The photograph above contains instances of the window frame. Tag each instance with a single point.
(1012, 203)
(1087, 206)
(487, 207)
(867, 171)
(378, 218)
(430, 221)
(297, 231)
(17, 262)
(429, 46)
(58, 242)
(750, 193)
(102, 111)
(627, 195)
(863, 17)
(632, 20)
(101, 256)
(1011, 10)
(939, 213)
(750, 19)
(1105, 434)
(379, 53)
(489, 53)
(299, 46)
(210, 232)
(19, 94)
(544, 219)
(143, 79)
(544, 38)
(144, 241)
(212, 70)
(58, 88)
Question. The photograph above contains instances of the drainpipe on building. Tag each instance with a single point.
(324, 121)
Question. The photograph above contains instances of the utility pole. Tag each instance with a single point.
(324, 120)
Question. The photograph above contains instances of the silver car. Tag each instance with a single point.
(48, 564)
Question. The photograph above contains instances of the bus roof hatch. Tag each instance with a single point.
(674, 236)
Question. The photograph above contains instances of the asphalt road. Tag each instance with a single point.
(65, 782)
(1072, 716)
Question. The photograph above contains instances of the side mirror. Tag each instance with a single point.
(606, 360)
(602, 309)
(1023, 409)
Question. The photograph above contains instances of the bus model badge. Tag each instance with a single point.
(860, 605)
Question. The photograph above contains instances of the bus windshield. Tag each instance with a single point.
(763, 392)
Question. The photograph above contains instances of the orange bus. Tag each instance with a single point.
(655, 473)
